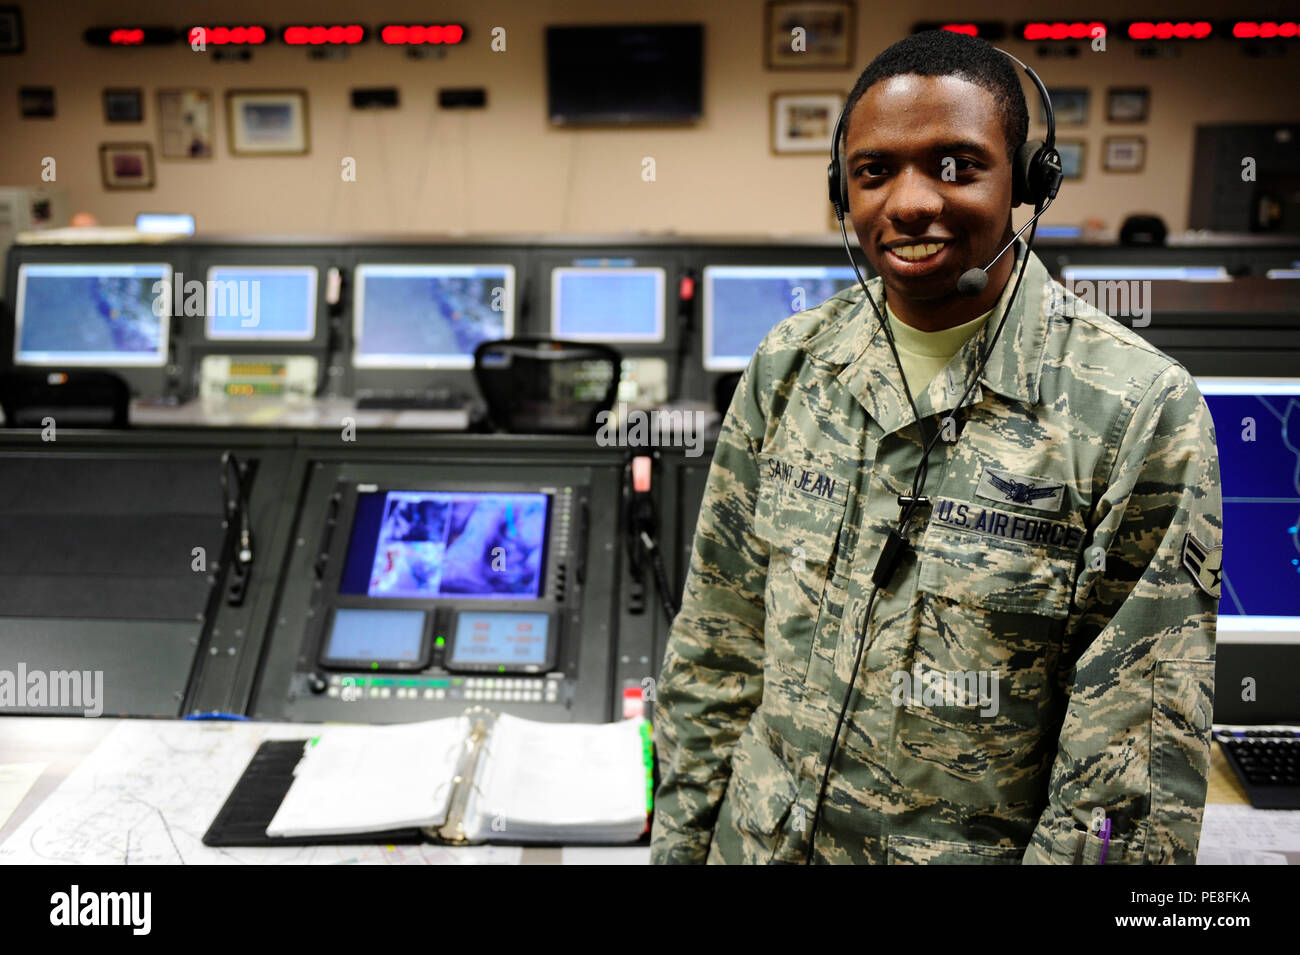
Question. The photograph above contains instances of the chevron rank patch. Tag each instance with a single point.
(1007, 487)
(1204, 563)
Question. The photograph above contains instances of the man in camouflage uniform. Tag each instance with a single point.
(1043, 656)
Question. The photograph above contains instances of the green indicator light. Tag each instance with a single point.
(374, 666)
(440, 641)
(409, 682)
(386, 681)
(501, 669)
(437, 682)
(457, 681)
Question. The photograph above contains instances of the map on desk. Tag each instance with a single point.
(150, 789)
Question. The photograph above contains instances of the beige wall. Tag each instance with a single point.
(501, 169)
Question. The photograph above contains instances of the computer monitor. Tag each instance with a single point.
(165, 223)
(261, 303)
(742, 303)
(103, 315)
(429, 316)
(608, 304)
(1257, 421)
(1118, 272)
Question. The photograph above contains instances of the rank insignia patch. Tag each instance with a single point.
(1204, 563)
(1007, 487)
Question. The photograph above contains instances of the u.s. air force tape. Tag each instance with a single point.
(976, 519)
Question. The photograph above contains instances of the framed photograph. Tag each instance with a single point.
(1127, 104)
(802, 121)
(123, 106)
(11, 30)
(800, 35)
(1124, 153)
(1070, 106)
(267, 122)
(1072, 155)
(36, 102)
(126, 165)
(185, 124)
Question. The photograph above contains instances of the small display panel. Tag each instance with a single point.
(386, 638)
(499, 639)
(1259, 461)
(742, 303)
(441, 544)
(261, 303)
(608, 304)
(103, 315)
(429, 316)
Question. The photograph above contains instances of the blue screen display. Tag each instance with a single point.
(609, 304)
(376, 635)
(743, 303)
(429, 316)
(101, 315)
(439, 544)
(500, 637)
(262, 303)
(1259, 462)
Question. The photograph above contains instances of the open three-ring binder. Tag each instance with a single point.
(477, 778)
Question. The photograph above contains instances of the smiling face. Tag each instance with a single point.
(920, 231)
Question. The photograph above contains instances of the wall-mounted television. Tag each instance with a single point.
(612, 75)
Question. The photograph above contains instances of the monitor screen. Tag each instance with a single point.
(624, 74)
(432, 544)
(1256, 423)
(742, 303)
(165, 223)
(102, 315)
(261, 303)
(1176, 273)
(377, 636)
(429, 316)
(608, 304)
(499, 638)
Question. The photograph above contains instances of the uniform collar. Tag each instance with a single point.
(857, 344)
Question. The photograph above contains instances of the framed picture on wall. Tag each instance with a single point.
(36, 102)
(11, 30)
(267, 122)
(808, 35)
(1124, 153)
(1072, 155)
(1127, 104)
(126, 165)
(802, 121)
(123, 106)
(1070, 106)
(185, 124)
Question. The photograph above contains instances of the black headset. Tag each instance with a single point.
(1035, 179)
(1035, 175)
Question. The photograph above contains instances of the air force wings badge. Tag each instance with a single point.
(1024, 489)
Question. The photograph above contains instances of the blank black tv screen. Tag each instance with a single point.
(624, 74)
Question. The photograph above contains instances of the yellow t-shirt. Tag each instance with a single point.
(925, 354)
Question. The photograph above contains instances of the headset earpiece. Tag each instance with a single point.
(1022, 174)
(836, 175)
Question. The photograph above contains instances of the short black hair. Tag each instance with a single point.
(945, 53)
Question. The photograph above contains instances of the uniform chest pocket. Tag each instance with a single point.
(990, 632)
(802, 533)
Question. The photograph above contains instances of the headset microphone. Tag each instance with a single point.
(973, 281)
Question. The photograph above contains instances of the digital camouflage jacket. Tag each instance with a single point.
(1041, 660)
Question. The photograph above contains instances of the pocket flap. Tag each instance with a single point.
(765, 787)
(913, 850)
(998, 575)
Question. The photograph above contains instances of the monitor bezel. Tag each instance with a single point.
(708, 357)
(210, 336)
(433, 362)
(158, 359)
